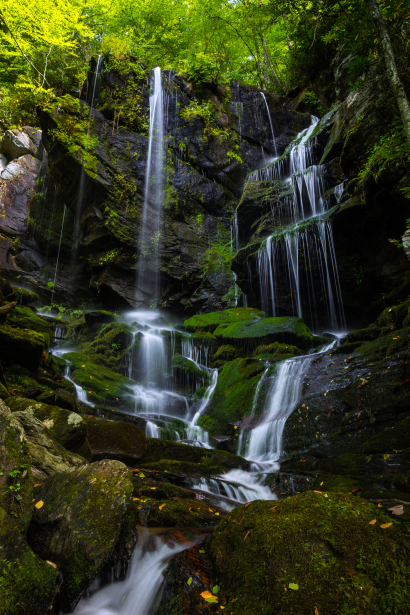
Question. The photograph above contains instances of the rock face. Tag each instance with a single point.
(24, 347)
(27, 583)
(16, 483)
(79, 524)
(292, 554)
(121, 441)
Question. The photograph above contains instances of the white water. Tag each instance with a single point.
(136, 593)
(270, 122)
(58, 256)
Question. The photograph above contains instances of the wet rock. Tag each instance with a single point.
(92, 318)
(180, 512)
(16, 483)
(22, 296)
(211, 320)
(47, 455)
(68, 428)
(115, 440)
(27, 583)
(62, 399)
(406, 243)
(80, 522)
(293, 552)
(25, 318)
(158, 450)
(267, 330)
(16, 143)
(24, 347)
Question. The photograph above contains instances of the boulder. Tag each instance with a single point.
(16, 143)
(98, 317)
(16, 483)
(406, 243)
(326, 551)
(211, 320)
(277, 329)
(22, 296)
(79, 524)
(48, 456)
(24, 347)
(22, 317)
(115, 440)
(68, 428)
(61, 398)
(27, 583)
(158, 450)
(18, 168)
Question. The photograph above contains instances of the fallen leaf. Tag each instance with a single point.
(326, 495)
(162, 506)
(321, 484)
(189, 581)
(202, 550)
(372, 522)
(217, 514)
(211, 509)
(386, 525)
(38, 484)
(293, 586)
(215, 589)
(246, 505)
(135, 499)
(141, 475)
(316, 611)
(355, 489)
(209, 597)
(273, 508)
(379, 506)
(39, 504)
(397, 510)
(222, 607)
(153, 488)
(51, 564)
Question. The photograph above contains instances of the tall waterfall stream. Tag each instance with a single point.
(155, 401)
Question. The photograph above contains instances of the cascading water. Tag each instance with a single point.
(270, 122)
(150, 235)
(297, 263)
(58, 257)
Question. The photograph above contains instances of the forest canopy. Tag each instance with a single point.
(46, 45)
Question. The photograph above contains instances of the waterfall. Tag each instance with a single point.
(136, 593)
(150, 235)
(58, 257)
(270, 122)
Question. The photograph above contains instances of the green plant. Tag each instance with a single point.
(233, 156)
(15, 487)
(391, 148)
(110, 256)
(314, 103)
(207, 112)
(116, 346)
(50, 285)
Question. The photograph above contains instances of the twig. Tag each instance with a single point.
(45, 68)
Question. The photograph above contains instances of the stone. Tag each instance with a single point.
(22, 296)
(47, 455)
(24, 347)
(115, 440)
(80, 522)
(15, 469)
(16, 143)
(27, 583)
(405, 240)
(3, 163)
(158, 450)
(61, 398)
(211, 320)
(267, 330)
(98, 317)
(68, 428)
(291, 553)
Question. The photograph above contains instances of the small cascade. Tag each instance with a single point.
(135, 595)
(58, 257)
(151, 430)
(270, 122)
(149, 240)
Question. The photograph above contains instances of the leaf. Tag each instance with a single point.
(379, 506)
(316, 611)
(162, 506)
(222, 607)
(386, 525)
(355, 489)
(189, 582)
(39, 504)
(246, 535)
(141, 475)
(318, 491)
(217, 514)
(38, 484)
(397, 510)
(293, 586)
(351, 572)
(207, 594)
(213, 599)
(215, 589)
(201, 550)
(51, 564)
(372, 522)
(246, 505)
(135, 499)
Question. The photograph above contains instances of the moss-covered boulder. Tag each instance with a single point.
(4, 392)
(187, 375)
(79, 523)
(27, 583)
(99, 317)
(288, 329)
(62, 399)
(277, 351)
(227, 352)
(68, 428)
(24, 318)
(47, 455)
(24, 347)
(115, 440)
(234, 394)
(394, 439)
(22, 296)
(103, 385)
(325, 551)
(158, 450)
(180, 512)
(212, 320)
(16, 482)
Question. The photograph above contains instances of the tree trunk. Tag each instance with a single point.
(268, 61)
(394, 79)
(285, 19)
(258, 56)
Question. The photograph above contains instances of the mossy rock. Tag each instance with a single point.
(62, 399)
(25, 318)
(4, 393)
(24, 347)
(363, 335)
(15, 459)
(68, 428)
(282, 329)
(112, 340)
(277, 350)
(47, 455)
(27, 583)
(210, 321)
(188, 375)
(394, 316)
(395, 438)
(183, 467)
(311, 551)
(101, 383)
(115, 440)
(99, 317)
(79, 523)
(182, 512)
(158, 450)
(22, 296)
(227, 352)
(234, 393)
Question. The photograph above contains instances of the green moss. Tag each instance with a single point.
(396, 438)
(280, 328)
(227, 352)
(160, 451)
(277, 350)
(183, 512)
(102, 384)
(24, 318)
(22, 346)
(210, 321)
(21, 295)
(322, 543)
(188, 367)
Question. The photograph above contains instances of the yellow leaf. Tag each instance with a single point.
(51, 564)
(162, 506)
(40, 503)
(207, 594)
(222, 607)
(316, 611)
(318, 491)
(217, 513)
(321, 483)
(135, 499)
(379, 506)
(211, 509)
(38, 484)
(372, 522)
(386, 525)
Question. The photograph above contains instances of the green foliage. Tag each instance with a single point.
(202, 67)
(207, 112)
(314, 103)
(50, 285)
(109, 257)
(391, 149)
